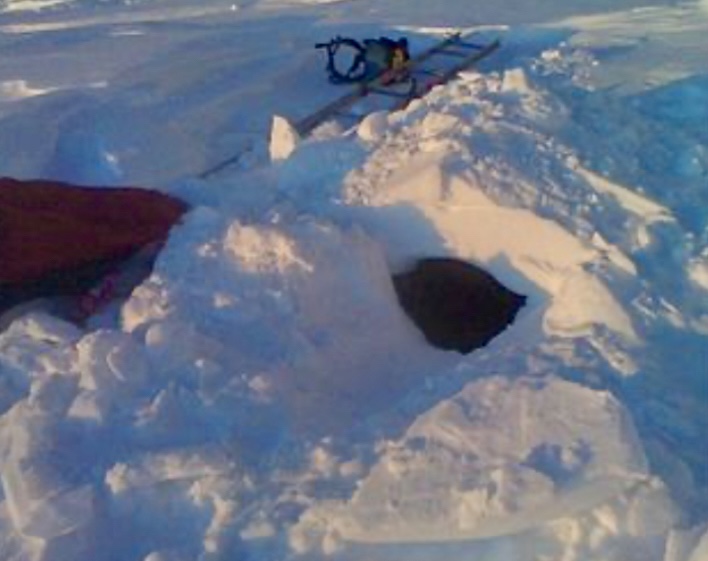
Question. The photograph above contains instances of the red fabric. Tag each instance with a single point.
(47, 226)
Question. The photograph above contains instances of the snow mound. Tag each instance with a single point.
(247, 296)
(263, 396)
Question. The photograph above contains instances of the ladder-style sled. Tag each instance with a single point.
(419, 76)
(434, 66)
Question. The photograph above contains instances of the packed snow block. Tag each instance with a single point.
(38, 475)
(60, 239)
(504, 457)
(456, 305)
(283, 139)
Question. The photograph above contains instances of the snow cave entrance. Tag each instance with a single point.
(456, 305)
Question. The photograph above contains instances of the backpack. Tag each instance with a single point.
(374, 58)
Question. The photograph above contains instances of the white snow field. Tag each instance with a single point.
(262, 396)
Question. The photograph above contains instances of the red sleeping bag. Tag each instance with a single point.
(57, 238)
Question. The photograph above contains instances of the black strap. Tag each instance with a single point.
(356, 72)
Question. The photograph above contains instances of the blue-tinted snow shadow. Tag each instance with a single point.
(668, 397)
(666, 162)
(675, 157)
(655, 141)
(668, 400)
(681, 102)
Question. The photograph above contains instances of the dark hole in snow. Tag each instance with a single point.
(456, 305)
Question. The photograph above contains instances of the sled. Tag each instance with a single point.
(434, 66)
(423, 72)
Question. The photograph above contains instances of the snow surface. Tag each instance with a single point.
(261, 395)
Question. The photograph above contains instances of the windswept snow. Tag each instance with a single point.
(262, 395)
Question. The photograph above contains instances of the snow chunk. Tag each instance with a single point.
(19, 89)
(498, 458)
(313, 173)
(41, 327)
(52, 394)
(154, 469)
(36, 351)
(628, 199)
(373, 127)
(31, 5)
(258, 530)
(698, 272)
(262, 250)
(41, 499)
(283, 139)
(159, 489)
(583, 301)
(111, 361)
(614, 254)
(515, 81)
(437, 124)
